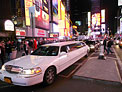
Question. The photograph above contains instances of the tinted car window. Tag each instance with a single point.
(90, 42)
(46, 51)
(76, 46)
(64, 49)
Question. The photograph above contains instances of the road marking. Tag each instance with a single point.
(120, 64)
(118, 71)
(119, 61)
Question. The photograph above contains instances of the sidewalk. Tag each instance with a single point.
(94, 68)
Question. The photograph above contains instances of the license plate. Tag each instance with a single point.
(8, 80)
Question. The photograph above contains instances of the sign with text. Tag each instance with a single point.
(9, 26)
(20, 32)
(40, 33)
(54, 34)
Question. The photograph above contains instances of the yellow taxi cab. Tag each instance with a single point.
(120, 43)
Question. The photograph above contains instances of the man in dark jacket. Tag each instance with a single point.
(109, 44)
(105, 44)
(8, 49)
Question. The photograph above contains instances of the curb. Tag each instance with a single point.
(119, 64)
(97, 80)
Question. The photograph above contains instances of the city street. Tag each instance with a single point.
(66, 81)
(61, 46)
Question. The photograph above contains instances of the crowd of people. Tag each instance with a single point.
(6, 48)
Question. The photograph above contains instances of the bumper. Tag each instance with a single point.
(21, 80)
(92, 49)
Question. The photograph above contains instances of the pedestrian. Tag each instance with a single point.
(105, 44)
(26, 47)
(8, 49)
(2, 52)
(35, 44)
(109, 45)
(18, 46)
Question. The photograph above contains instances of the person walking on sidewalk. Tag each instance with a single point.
(105, 44)
(26, 47)
(35, 45)
(109, 44)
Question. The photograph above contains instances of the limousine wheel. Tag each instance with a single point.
(87, 54)
(49, 76)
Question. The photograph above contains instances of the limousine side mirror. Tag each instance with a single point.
(62, 53)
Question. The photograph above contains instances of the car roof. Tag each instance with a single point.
(61, 43)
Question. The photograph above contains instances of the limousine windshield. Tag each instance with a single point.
(46, 51)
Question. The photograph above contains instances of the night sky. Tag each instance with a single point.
(78, 7)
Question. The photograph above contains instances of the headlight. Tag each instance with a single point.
(3, 67)
(117, 41)
(31, 71)
(101, 42)
(120, 42)
(92, 47)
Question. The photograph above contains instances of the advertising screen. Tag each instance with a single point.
(95, 20)
(103, 15)
(28, 3)
(54, 34)
(55, 10)
(89, 19)
(20, 32)
(119, 2)
(41, 14)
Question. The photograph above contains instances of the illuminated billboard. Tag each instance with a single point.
(41, 14)
(61, 21)
(119, 2)
(62, 12)
(9, 26)
(54, 34)
(89, 19)
(40, 33)
(59, 9)
(28, 3)
(55, 10)
(20, 32)
(96, 20)
(102, 15)
(67, 30)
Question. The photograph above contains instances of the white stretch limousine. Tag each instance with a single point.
(43, 64)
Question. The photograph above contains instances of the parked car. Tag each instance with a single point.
(93, 45)
(43, 64)
(116, 41)
(120, 43)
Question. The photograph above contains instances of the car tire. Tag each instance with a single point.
(49, 76)
(120, 46)
(87, 54)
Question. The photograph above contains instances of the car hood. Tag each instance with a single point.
(31, 61)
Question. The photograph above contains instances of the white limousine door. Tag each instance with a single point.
(63, 58)
(75, 52)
